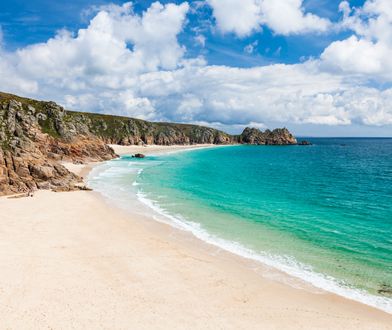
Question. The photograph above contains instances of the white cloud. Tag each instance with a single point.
(277, 93)
(121, 102)
(249, 49)
(369, 50)
(12, 81)
(241, 17)
(114, 43)
(200, 40)
(285, 17)
(357, 55)
(294, 19)
(129, 64)
(106, 56)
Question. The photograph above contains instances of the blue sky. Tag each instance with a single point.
(207, 32)
(26, 22)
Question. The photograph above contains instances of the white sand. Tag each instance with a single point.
(155, 149)
(72, 261)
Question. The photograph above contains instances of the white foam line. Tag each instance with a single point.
(286, 264)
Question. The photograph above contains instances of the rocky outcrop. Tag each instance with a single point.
(36, 137)
(304, 143)
(279, 136)
(31, 159)
(138, 156)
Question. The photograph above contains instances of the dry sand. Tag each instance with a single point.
(155, 149)
(72, 261)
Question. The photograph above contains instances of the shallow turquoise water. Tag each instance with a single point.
(324, 209)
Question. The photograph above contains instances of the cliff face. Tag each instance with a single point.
(30, 159)
(35, 137)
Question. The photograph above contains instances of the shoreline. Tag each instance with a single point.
(297, 276)
(153, 149)
(173, 261)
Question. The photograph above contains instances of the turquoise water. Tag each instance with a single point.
(322, 213)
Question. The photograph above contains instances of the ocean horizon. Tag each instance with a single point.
(320, 213)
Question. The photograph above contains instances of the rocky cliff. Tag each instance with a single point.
(36, 136)
(31, 150)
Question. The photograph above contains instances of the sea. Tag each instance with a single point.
(320, 213)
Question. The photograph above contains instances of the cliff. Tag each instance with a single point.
(36, 136)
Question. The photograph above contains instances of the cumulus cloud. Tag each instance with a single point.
(130, 64)
(240, 17)
(295, 19)
(243, 17)
(369, 50)
(11, 80)
(277, 93)
(116, 45)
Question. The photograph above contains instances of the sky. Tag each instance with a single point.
(317, 67)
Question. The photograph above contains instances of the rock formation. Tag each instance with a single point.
(304, 143)
(279, 136)
(35, 137)
(138, 156)
(31, 159)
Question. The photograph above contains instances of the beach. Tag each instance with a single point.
(73, 260)
(157, 149)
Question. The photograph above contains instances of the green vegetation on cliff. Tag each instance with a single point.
(59, 123)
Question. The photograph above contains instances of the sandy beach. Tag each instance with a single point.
(155, 149)
(73, 261)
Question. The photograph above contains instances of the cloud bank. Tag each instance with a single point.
(133, 64)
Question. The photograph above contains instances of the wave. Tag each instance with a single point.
(285, 264)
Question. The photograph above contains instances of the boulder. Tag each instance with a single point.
(138, 156)
(304, 143)
(41, 172)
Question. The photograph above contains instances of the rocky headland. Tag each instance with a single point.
(279, 136)
(36, 137)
